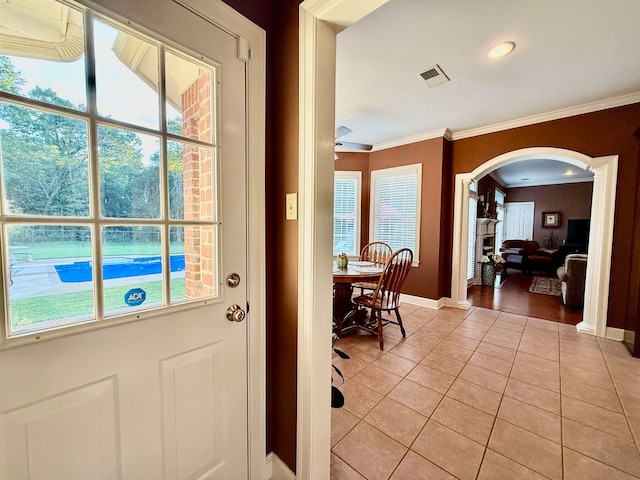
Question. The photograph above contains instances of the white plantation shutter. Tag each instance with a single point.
(395, 207)
(346, 213)
(471, 254)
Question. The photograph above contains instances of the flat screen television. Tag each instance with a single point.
(578, 232)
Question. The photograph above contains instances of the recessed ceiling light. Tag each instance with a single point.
(525, 179)
(569, 173)
(501, 49)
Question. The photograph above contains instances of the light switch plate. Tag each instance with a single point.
(292, 206)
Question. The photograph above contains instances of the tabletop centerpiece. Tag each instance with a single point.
(342, 260)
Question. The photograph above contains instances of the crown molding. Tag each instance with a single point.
(520, 122)
(442, 133)
(545, 117)
(561, 181)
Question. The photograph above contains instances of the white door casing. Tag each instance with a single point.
(518, 220)
(166, 396)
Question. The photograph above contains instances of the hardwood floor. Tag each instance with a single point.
(513, 297)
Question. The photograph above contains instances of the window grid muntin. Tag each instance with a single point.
(356, 178)
(93, 119)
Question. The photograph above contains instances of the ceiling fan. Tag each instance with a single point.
(341, 131)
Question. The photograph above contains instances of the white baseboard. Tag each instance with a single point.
(276, 469)
(431, 303)
(614, 334)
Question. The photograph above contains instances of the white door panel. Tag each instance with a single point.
(518, 220)
(159, 398)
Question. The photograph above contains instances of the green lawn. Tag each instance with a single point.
(54, 250)
(39, 309)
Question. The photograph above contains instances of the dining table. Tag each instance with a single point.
(345, 312)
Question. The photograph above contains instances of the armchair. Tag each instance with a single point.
(527, 256)
(573, 274)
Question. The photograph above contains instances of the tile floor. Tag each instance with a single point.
(481, 394)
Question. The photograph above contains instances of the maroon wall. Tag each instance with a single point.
(572, 200)
(280, 21)
(607, 132)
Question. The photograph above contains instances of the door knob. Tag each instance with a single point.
(235, 313)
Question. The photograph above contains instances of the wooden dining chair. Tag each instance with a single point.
(386, 296)
(378, 253)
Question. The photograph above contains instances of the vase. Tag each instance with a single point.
(488, 274)
(342, 261)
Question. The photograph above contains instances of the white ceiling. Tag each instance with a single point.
(569, 53)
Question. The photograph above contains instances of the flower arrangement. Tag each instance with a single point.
(492, 259)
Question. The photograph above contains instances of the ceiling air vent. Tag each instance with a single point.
(434, 76)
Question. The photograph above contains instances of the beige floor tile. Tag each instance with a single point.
(370, 452)
(613, 348)
(366, 351)
(469, 333)
(410, 352)
(540, 324)
(588, 351)
(378, 379)
(451, 451)
(595, 364)
(528, 449)
(542, 338)
(476, 396)
(484, 312)
(464, 419)
(359, 399)
(431, 378)
(341, 471)
(500, 340)
(539, 363)
(423, 340)
(484, 378)
(506, 354)
(449, 350)
(596, 417)
(548, 380)
(516, 327)
(350, 366)
(504, 333)
(395, 364)
(444, 364)
(544, 351)
(499, 467)
(594, 395)
(532, 419)
(480, 325)
(579, 467)
(461, 341)
(601, 446)
(533, 395)
(341, 422)
(415, 467)
(631, 404)
(490, 363)
(512, 318)
(416, 397)
(399, 422)
(595, 379)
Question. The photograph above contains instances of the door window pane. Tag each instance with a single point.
(43, 56)
(189, 98)
(126, 76)
(50, 276)
(194, 259)
(129, 173)
(131, 269)
(192, 182)
(44, 163)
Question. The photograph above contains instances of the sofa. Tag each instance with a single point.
(573, 274)
(527, 256)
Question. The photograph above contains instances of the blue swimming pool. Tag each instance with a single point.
(118, 267)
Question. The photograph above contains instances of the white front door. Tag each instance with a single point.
(518, 220)
(165, 396)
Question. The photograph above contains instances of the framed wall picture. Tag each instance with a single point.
(550, 219)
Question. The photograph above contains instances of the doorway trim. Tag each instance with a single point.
(605, 170)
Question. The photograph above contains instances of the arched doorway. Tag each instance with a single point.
(600, 241)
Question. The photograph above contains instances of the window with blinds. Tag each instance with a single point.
(395, 207)
(346, 212)
(471, 254)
